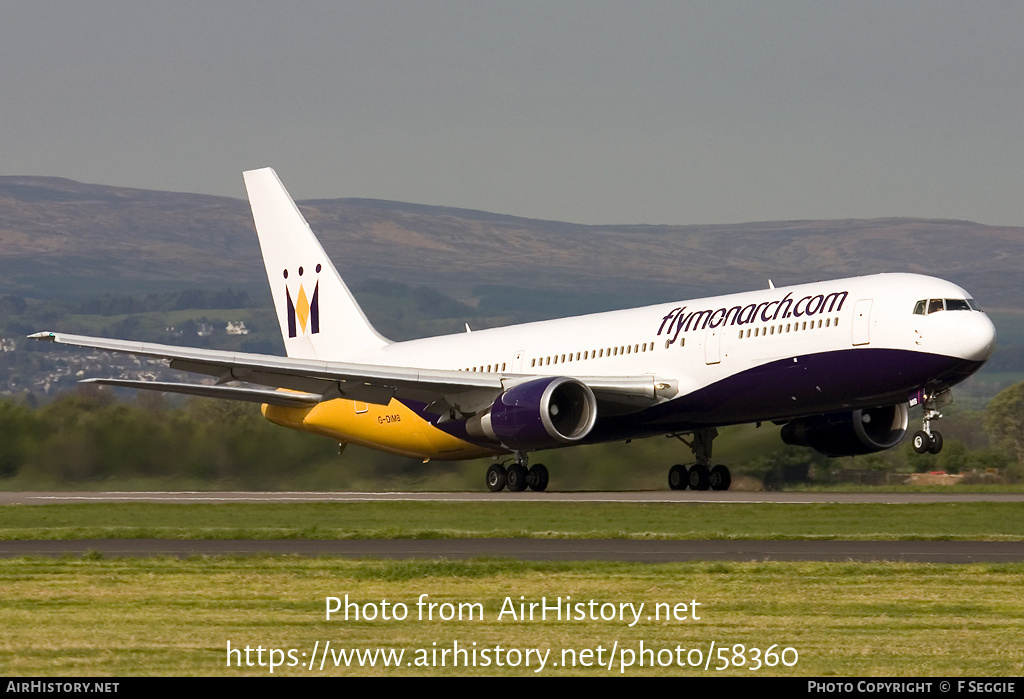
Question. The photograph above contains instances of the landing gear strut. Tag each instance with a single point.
(517, 477)
(701, 475)
(927, 440)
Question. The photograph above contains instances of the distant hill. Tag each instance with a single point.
(60, 237)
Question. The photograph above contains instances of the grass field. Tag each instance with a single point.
(91, 616)
(424, 520)
(176, 617)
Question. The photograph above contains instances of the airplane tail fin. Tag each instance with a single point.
(319, 317)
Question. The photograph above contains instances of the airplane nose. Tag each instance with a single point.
(976, 336)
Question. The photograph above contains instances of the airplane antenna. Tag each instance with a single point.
(771, 284)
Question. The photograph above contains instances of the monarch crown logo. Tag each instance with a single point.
(303, 311)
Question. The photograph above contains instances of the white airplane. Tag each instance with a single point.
(837, 363)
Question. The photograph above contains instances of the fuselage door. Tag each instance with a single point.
(862, 322)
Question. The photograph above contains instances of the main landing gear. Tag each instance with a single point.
(927, 440)
(700, 476)
(517, 477)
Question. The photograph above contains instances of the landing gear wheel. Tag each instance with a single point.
(936, 443)
(721, 479)
(922, 442)
(537, 478)
(700, 477)
(515, 478)
(496, 478)
(678, 477)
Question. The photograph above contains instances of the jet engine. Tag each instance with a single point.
(538, 414)
(861, 431)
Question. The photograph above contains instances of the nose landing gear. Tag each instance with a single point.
(927, 440)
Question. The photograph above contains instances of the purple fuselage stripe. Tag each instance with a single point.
(784, 389)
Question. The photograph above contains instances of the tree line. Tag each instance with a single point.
(89, 435)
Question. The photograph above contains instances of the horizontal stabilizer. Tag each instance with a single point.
(252, 395)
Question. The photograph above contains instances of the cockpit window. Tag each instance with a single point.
(926, 306)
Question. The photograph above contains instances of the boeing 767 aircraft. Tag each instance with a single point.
(836, 363)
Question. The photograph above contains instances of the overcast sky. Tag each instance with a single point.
(592, 112)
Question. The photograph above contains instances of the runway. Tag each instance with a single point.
(648, 497)
(625, 550)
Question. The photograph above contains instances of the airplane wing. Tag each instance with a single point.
(309, 381)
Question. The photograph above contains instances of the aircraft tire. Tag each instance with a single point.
(678, 477)
(537, 478)
(721, 479)
(700, 477)
(921, 442)
(496, 478)
(515, 478)
(935, 444)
